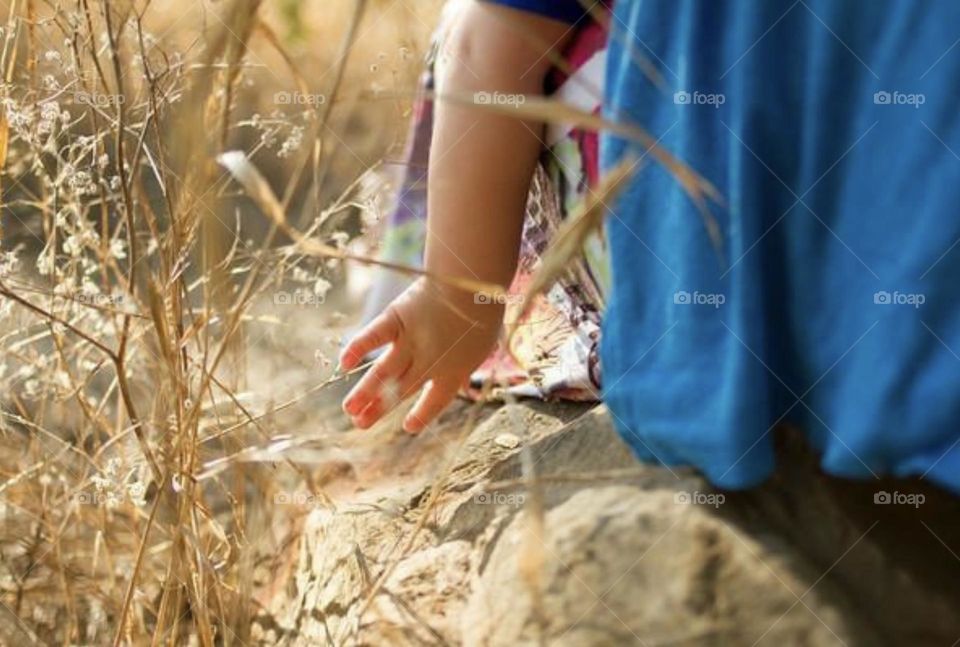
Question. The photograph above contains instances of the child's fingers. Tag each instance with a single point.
(429, 405)
(379, 332)
(370, 413)
(382, 381)
(393, 392)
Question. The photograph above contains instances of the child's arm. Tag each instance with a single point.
(481, 164)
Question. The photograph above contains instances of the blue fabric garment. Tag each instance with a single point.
(569, 11)
(832, 130)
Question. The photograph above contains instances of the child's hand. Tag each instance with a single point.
(476, 199)
(429, 342)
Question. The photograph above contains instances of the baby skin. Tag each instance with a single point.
(481, 164)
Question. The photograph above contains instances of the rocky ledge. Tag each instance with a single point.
(536, 526)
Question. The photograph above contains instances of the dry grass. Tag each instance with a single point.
(130, 272)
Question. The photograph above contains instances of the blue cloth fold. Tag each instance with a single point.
(832, 130)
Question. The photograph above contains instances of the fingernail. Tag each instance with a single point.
(352, 406)
(366, 419)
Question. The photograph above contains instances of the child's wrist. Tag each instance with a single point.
(478, 304)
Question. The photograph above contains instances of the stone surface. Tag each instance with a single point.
(600, 550)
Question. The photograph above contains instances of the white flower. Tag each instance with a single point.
(45, 262)
(113, 466)
(321, 287)
(292, 143)
(31, 388)
(88, 287)
(118, 248)
(49, 110)
(61, 380)
(9, 263)
(137, 492)
(19, 119)
(73, 246)
(82, 183)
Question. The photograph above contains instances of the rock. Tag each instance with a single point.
(601, 550)
(643, 569)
